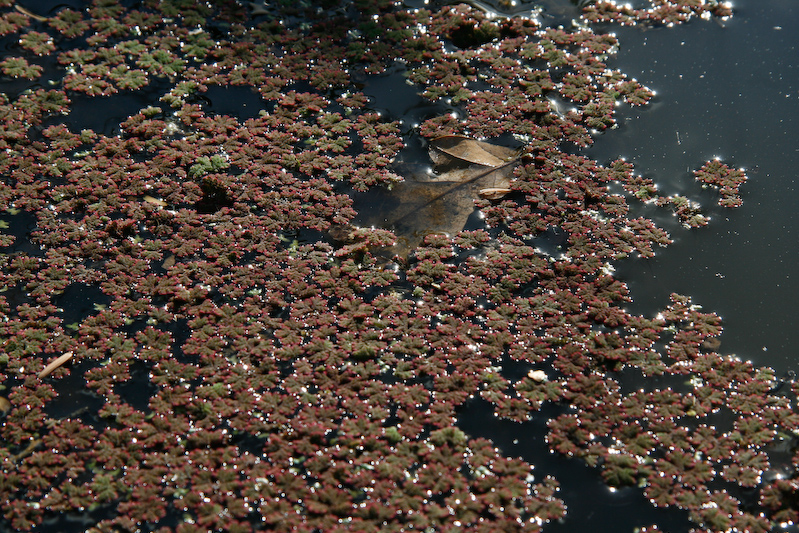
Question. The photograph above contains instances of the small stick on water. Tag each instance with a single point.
(55, 364)
(31, 14)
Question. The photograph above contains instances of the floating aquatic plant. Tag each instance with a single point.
(257, 357)
(727, 180)
(18, 67)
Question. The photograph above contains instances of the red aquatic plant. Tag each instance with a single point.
(257, 357)
(727, 180)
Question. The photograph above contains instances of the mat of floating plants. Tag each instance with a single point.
(265, 266)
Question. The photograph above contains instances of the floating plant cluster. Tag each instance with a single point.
(245, 368)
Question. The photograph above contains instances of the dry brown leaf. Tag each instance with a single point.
(484, 176)
(155, 201)
(29, 13)
(450, 149)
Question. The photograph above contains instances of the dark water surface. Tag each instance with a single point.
(730, 92)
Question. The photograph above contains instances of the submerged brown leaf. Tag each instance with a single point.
(443, 202)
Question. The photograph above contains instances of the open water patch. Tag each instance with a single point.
(732, 100)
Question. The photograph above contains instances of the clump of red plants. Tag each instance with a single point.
(727, 180)
(284, 380)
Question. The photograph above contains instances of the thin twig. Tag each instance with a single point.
(55, 364)
(30, 14)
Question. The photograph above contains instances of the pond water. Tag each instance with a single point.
(725, 89)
